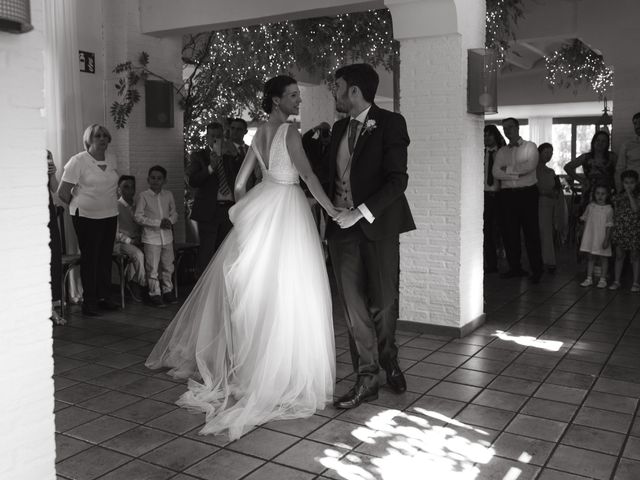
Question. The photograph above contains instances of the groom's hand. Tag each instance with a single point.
(348, 218)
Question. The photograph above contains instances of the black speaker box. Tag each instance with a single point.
(158, 104)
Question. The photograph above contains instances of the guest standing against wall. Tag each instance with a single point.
(89, 185)
(493, 141)
(550, 190)
(515, 167)
(629, 153)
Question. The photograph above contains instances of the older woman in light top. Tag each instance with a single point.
(89, 185)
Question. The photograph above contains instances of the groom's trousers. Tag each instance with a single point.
(366, 274)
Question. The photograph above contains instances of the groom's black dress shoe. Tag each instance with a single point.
(356, 396)
(395, 378)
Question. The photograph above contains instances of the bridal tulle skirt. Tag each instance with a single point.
(255, 337)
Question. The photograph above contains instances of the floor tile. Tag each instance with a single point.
(514, 385)
(561, 394)
(570, 379)
(138, 441)
(100, 429)
(470, 377)
(115, 379)
(430, 370)
(177, 421)
(144, 411)
(604, 419)
(364, 414)
(180, 453)
(551, 474)
(87, 372)
(616, 403)
(301, 427)
(272, 471)
(140, 471)
(632, 448)
(309, 456)
(79, 393)
(528, 372)
(582, 462)
(147, 386)
(419, 384)
(450, 359)
(618, 387)
(536, 427)
(267, 444)
(484, 416)
(91, 463)
(435, 406)
(500, 468)
(68, 446)
(485, 365)
(338, 434)
(539, 407)
(501, 400)
(109, 402)
(628, 470)
(72, 417)
(593, 439)
(523, 449)
(455, 391)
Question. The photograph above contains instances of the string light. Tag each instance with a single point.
(576, 63)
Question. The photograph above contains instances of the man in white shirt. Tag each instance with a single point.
(515, 166)
(629, 158)
(129, 238)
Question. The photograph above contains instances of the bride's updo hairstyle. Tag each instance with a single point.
(275, 87)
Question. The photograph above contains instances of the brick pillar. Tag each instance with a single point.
(26, 404)
(441, 274)
(137, 146)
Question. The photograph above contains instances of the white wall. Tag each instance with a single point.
(26, 404)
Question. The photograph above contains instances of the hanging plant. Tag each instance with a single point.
(500, 25)
(576, 64)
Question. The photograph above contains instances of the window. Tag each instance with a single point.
(571, 138)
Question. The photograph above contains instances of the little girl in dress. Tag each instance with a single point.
(626, 228)
(596, 240)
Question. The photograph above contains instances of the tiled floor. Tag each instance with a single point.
(547, 389)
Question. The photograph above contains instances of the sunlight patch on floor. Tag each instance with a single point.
(413, 445)
(550, 345)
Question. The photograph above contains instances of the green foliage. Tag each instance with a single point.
(501, 22)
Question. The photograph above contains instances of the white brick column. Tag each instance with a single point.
(137, 146)
(27, 446)
(318, 105)
(441, 272)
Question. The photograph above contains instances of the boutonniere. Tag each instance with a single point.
(369, 126)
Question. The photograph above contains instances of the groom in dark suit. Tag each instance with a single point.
(368, 165)
(212, 172)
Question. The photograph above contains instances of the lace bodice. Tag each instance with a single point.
(281, 168)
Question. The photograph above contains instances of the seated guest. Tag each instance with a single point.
(128, 238)
(629, 153)
(550, 191)
(55, 245)
(156, 212)
(89, 185)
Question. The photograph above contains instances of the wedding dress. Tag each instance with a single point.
(257, 328)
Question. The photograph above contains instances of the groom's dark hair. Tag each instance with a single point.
(361, 75)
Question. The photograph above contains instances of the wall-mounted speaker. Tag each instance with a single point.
(158, 103)
(482, 81)
(15, 16)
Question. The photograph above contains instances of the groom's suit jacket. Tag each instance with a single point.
(378, 172)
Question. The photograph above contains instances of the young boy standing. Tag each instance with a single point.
(128, 238)
(156, 212)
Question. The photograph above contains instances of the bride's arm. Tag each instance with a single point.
(301, 162)
(249, 163)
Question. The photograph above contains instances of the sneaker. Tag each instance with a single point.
(602, 283)
(134, 291)
(169, 298)
(156, 301)
(587, 283)
(614, 286)
(635, 288)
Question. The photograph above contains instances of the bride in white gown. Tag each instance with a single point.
(257, 328)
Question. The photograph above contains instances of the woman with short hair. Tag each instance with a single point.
(89, 185)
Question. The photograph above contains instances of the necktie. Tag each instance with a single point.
(492, 156)
(223, 184)
(353, 131)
